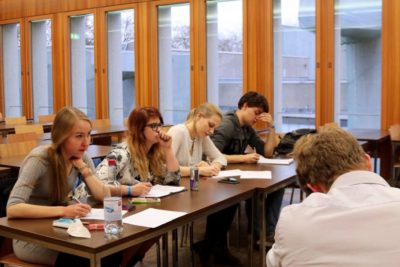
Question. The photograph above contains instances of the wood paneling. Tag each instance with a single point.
(390, 63)
(324, 94)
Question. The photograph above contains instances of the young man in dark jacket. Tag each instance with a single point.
(236, 134)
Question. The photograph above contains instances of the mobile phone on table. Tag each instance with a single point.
(230, 180)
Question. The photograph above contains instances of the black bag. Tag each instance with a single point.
(286, 144)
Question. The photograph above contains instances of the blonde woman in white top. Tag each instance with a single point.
(190, 141)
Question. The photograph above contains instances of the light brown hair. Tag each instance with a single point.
(207, 109)
(64, 123)
(142, 160)
(324, 156)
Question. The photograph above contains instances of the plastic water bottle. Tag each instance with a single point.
(112, 203)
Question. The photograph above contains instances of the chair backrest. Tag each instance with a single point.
(20, 137)
(394, 131)
(100, 123)
(46, 118)
(16, 149)
(28, 128)
(15, 120)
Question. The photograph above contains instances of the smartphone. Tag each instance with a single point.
(229, 180)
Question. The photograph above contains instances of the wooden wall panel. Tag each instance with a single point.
(23, 8)
(390, 63)
(324, 94)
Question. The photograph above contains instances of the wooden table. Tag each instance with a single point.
(379, 146)
(282, 176)
(94, 151)
(211, 197)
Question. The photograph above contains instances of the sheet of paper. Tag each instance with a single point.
(152, 217)
(275, 161)
(98, 214)
(227, 173)
(163, 190)
(256, 175)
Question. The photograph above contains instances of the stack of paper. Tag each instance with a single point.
(244, 174)
(152, 217)
(275, 161)
(163, 190)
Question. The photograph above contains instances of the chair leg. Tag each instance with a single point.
(158, 247)
(292, 194)
(191, 226)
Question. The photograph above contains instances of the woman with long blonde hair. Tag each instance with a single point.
(50, 176)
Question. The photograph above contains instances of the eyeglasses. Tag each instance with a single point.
(154, 126)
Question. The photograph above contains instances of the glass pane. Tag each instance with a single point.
(358, 27)
(121, 64)
(42, 78)
(11, 50)
(82, 63)
(294, 64)
(224, 53)
(174, 62)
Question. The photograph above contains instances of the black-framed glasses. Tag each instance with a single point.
(154, 126)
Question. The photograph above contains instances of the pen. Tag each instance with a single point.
(76, 199)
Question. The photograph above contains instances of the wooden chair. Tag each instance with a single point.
(21, 137)
(29, 128)
(17, 149)
(15, 120)
(394, 132)
(46, 118)
(100, 123)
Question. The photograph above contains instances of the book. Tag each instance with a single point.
(145, 200)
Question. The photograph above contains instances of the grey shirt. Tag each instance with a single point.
(232, 139)
(33, 187)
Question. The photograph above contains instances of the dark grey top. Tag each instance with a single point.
(231, 139)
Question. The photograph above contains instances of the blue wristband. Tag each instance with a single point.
(129, 191)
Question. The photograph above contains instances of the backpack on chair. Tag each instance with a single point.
(288, 141)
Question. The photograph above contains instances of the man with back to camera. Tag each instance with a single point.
(351, 219)
(236, 133)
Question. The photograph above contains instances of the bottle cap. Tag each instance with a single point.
(112, 162)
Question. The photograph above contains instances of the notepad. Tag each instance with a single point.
(275, 161)
(153, 217)
(164, 190)
(244, 174)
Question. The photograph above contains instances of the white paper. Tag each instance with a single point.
(256, 175)
(227, 173)
(163, 190)
(152, 217)
(97, 214)
(275, 161)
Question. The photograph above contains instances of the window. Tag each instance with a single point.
(224, 53)
(294, 64)
(121, 64)
(11, 66)
(41, 58)
(358, 27)
(174, 62)
(82, 63)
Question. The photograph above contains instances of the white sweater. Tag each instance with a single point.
(182, 145)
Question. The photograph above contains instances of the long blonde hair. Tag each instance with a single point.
(144, 161)
(63, 125)
(207, 109)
